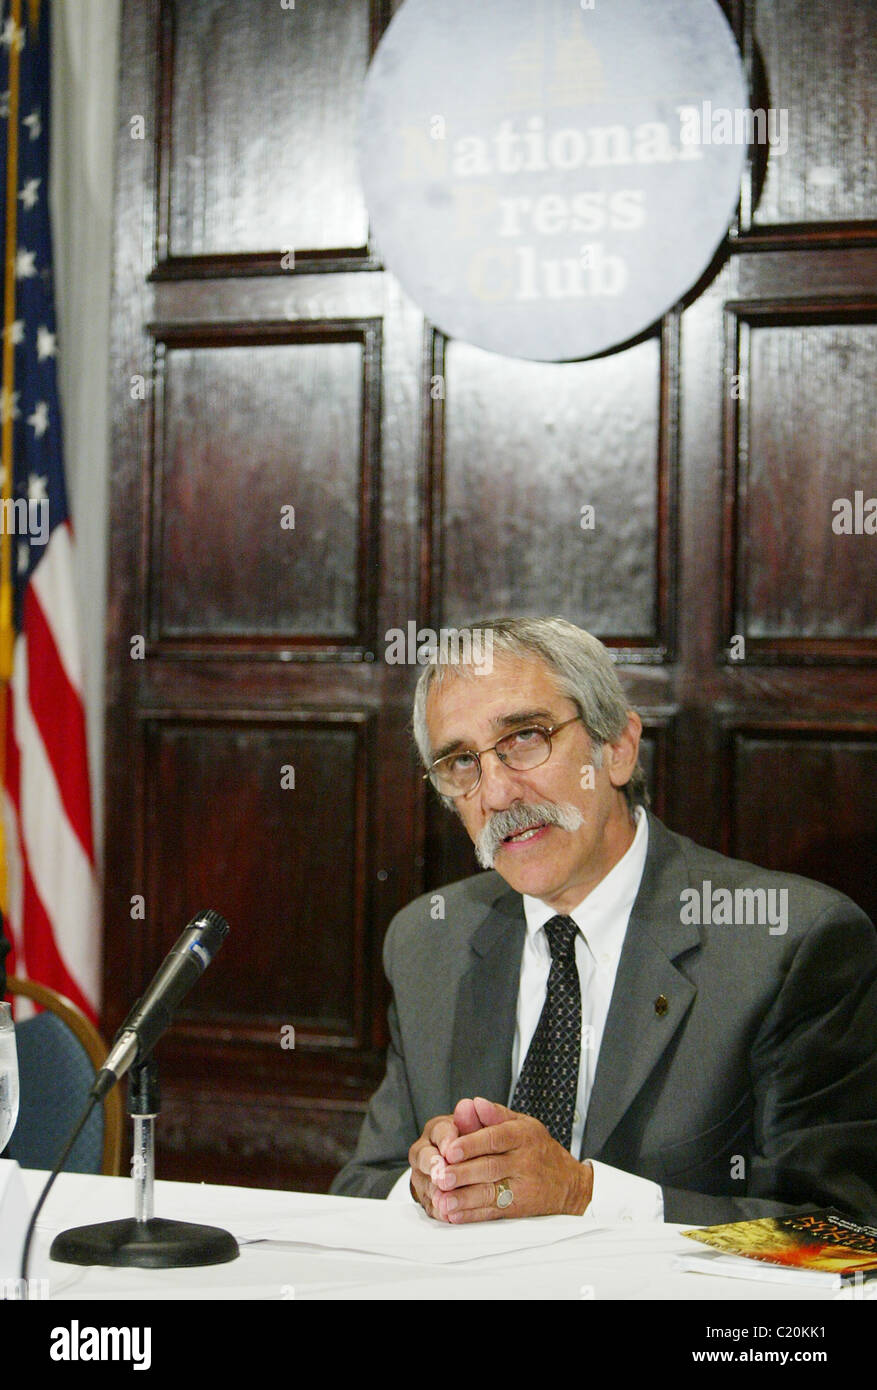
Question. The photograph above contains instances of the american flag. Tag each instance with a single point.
(50, 900)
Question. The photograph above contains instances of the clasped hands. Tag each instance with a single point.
(459, 1159)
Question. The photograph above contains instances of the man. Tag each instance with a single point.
(613, 1022)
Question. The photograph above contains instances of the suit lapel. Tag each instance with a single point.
(636, 1032)
(484, 1024)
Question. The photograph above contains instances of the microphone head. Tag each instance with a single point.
(209, 930)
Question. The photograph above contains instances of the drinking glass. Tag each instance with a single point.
(8, 1076)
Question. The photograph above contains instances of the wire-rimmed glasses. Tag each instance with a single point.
(458, 773)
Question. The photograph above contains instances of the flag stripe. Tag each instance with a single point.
(53, 582)
(62, 874)
(17, 959)
(43, 959)
(60, 720)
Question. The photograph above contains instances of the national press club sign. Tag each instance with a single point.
(547, 177)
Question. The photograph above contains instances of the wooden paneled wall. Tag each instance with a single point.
(288, 486)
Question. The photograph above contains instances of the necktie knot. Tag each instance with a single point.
(561, 933)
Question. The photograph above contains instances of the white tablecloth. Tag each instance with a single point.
(293, 1246)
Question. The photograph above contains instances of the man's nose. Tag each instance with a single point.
(500, 784)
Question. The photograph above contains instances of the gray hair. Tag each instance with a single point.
(584, 673)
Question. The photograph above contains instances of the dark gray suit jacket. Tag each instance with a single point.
(754, 1094)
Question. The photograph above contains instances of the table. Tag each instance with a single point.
(289, 1250)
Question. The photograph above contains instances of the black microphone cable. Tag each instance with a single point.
(25, 1254)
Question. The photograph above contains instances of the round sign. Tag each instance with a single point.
(548, 177)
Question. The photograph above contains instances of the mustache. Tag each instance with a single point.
(520, 817)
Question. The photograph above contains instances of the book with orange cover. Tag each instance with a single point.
(821, 1240)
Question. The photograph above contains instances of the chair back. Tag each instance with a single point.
(59, 1052)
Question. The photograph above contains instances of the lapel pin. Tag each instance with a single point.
(661, 1005)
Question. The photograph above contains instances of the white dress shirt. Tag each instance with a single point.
(602, 920)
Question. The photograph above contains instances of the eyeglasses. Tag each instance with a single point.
(458, 773)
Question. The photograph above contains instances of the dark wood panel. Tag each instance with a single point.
(253, 1140)
(245, 433)
(272, 174)
(804, 444)
(803, 800)
(820, 70)
(838, 272)
(527, 446)
(266, 822)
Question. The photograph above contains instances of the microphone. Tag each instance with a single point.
(153, 1012)
(146, 1241)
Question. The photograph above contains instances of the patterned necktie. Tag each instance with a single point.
(548, 1084)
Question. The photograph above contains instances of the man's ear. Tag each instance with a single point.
(620, 756)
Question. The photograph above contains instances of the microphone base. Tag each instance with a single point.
(153, 1244)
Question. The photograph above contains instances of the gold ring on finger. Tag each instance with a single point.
(504, 1194)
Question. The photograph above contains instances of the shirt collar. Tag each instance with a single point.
(603, 915)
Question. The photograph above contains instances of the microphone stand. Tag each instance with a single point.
(144, 1240)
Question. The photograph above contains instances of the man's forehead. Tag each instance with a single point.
(522, 684)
